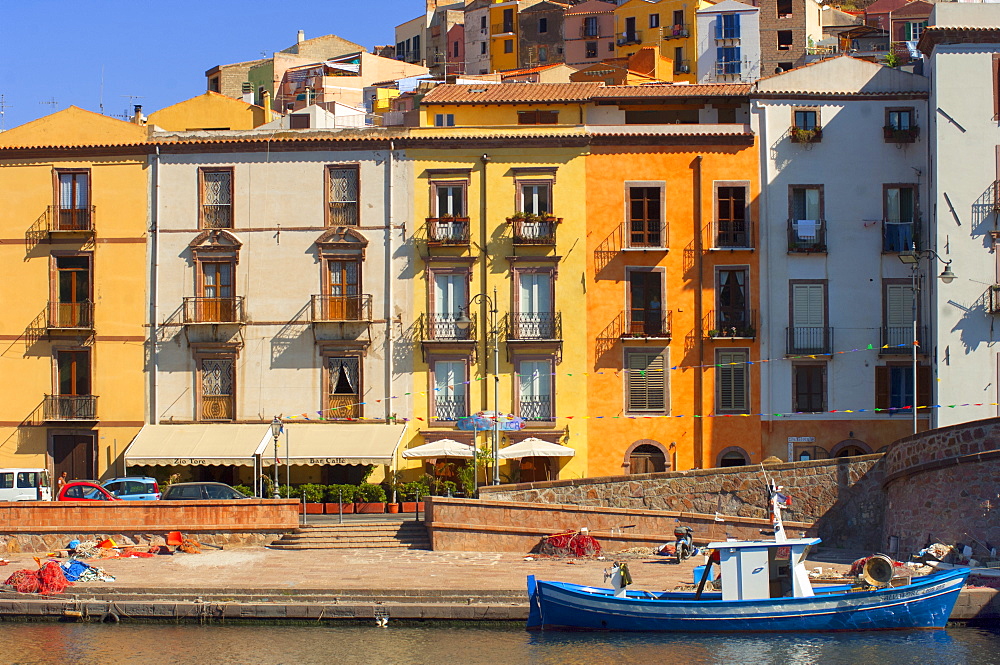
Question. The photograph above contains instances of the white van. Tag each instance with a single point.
(25, 485)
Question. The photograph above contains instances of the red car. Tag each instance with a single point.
(81, 490)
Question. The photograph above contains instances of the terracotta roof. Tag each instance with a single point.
(960, 34)
(591, 7)
(672, 90)
(493, 93)
(528, 70)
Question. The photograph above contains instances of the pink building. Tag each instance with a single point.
(589, 32)
(455, 50)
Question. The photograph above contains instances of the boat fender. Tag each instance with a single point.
(109, 617)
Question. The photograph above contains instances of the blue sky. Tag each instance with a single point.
(62, 49)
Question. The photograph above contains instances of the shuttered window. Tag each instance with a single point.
(894, 387)
(808, 318)
(646, 381)
(809, 386)
(731, 379)
(342, 196)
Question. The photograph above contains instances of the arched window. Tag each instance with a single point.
(851, 451)
(646, 459)
(733, 456)
(850, 448)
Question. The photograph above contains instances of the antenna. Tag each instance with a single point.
(52, 102)
(3, 109)
(131, 103)
(100, 97)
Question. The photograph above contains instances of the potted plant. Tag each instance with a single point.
(800, 135)
(312, 496)
(370, 499)
(412, 493)
(339, 499)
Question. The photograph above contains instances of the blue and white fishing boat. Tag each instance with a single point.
(765, 587)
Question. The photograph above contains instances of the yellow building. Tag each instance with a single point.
(209, 111)
(503, 34)
(667, 25)
(73, 225)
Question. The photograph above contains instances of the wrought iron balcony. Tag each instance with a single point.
(533, 229)
(731, 323)
(682, 67)
(900, 235)
(899, 135)
(344, 406)
(218, 407)
(534, 326)
(198, 309)
(645, 235)
(994, 302)
(733, 234)
(642, 323)
(806, 236)
(535, 407)
(629, 37)
(898, 340)
(807, 340)
(502, 28)
(70, 407)
(326, 308)
(216, 216)
(445, 328)
(70, 316)
(448, 230)
(450, 407)
(678, 31)
(804, 135)
(342, 213)
(71, 220)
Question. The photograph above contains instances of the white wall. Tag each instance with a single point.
(749, 44)
(476, 63)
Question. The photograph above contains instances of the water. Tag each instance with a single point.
(107, 644)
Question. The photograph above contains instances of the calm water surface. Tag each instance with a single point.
(84, 644)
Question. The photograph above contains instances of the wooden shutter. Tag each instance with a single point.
(898, 306)
(924, 386)
(882, 387)
(732, 381)
(646, 382)
(808, 306)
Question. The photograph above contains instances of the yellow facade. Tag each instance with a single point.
(208, 111)
(73, 250)
(667, 25)
(497, 115)
(503, 36)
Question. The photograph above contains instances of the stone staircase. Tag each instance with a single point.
(404, 535)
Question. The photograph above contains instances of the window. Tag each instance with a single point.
(343, 387)
(73, 201)
(449, 199)
(728, 61)
(630, 35)
(646, 304)
(537, 117)
(508, 45)
(342, 196)
(678, 17)
(733, 458)
(215, 300)
(611, 46)
(646, 381)
(543, 54)
(444, 119)
(508, 20)
(807, 119)
(784, 67)
(899, 119)
(732, 229)
(543, 25)
(535, 317)
(784, 40)
(680, 65)
(216, 198)
(482, 50)
(217, 381)
(654, 20)
(482, 23)
(912, 30)
(899, 228)
(298, 121)
(809, 388)
(732, 374)
(591, 50)
(73, 381)
(645, 214)
(727, 26)
(590, 28)
(898, 316)
(449, 390)
(73, 308)
(536, 197)
(784, 8)
(454, 49)
(450, 302)
(894, 387)
(343, 290)
(733, 317)
(806, 208)
(415, 55)
(808, 332)
(535, 390)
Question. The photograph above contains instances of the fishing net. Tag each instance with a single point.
(49, 579)
(572, 543)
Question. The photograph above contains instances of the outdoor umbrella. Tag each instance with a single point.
(533, 447)
(439, 448)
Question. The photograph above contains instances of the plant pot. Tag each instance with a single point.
(335, 508)
(392, 507)
(314, 508)
(413, 506)
(369, 508)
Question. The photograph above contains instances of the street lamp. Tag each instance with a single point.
(463, 322)
(275, 431)
(912, 259)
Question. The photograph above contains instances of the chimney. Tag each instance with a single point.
(138, 118)
(301, 37)
(248, 92)
(265, 101)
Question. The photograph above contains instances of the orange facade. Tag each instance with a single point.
(672, 286)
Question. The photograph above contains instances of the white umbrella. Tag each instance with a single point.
(534, 447)
(439, 448)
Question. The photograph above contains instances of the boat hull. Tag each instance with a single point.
(925, 603)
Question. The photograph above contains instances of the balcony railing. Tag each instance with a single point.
(896, 135)
(731, 323)
(898, 340)
(678, 31)
(807, 235)
(445, 328)
(218, 407)
(728, 67)
(994, 303)
(71, 316)
(344, 406)
(216, 216)
(71, 220)
(198, 309)
(803, 135)
(625, 38)
(682, 67)
(899, 235)
(808, 340)
(535, 407)
(534, 230)
(735, 234)
(593, 32)
(70, 407)
(641, 323)
(343, 213)
(341, 308)
(534, 326)
(448, 230)
(502, 28)
(450, 407)
(645, 235)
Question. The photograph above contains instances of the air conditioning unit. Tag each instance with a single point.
(683, 69)
(621, 41)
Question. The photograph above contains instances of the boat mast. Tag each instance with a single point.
(777, 499)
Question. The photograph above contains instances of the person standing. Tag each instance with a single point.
(60, 482)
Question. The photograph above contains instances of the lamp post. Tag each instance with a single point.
(912, 259)
(463, 322)
(275, 431)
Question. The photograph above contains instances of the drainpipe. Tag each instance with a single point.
(389, 291)
(484, 269)
(152, 265)
(763, 279)
(699, 338)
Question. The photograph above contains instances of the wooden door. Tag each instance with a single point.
(72, 292)
(216, 291)
(343, 290)
(74, 455)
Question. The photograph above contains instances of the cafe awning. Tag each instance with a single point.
(197, 444)
(311, 444)
(532, 447)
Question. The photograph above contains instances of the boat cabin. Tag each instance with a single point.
(759, 569)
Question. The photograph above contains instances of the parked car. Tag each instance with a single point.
(191, 491)
(84, 490)
(25, 485)
(137, 488)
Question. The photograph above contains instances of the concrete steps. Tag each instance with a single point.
(355, 535)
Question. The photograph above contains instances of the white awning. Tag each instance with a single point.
(440, 448)
(533, 447)
(196, 445)
(311, 444)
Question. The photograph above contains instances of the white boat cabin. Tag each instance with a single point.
(759, 569)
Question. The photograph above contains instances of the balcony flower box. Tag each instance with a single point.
(800, 135)
(895, 135)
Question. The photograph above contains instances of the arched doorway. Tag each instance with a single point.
(646, 458)
(733, 456)
(535, 469)
(850, 448)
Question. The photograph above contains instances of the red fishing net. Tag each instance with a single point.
(49, 579)
(572, 543)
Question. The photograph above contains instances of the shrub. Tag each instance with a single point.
(245, 489)
(369, 493)
(338, 493)
(312, 493)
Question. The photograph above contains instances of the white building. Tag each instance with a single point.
(844, 189)
(962, 51)
(728, 43)
(477, 37)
